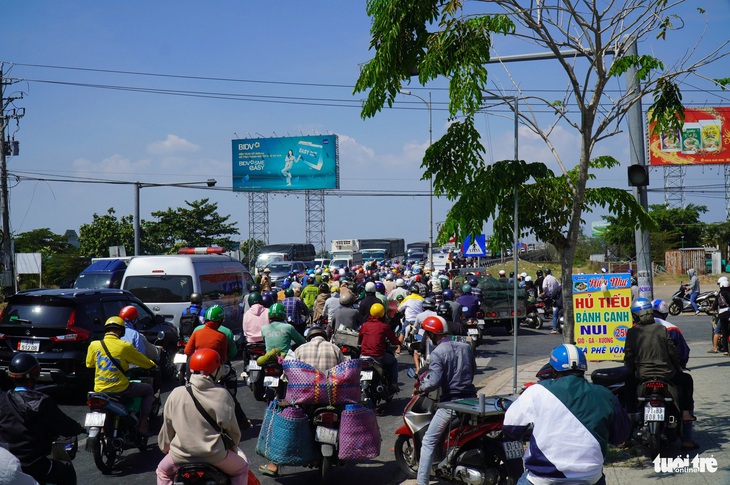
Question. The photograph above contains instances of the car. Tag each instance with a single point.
(57, 325)
(416, 256)
(279, 270)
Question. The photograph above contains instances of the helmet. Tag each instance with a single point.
(277, 313)
(548, 271)
(285, 284)
(204, 361)
(389, 277)
(324, 288)
(255, 287)
(429, 304)
(24, 366)
(660, 307)
(502, 272)
(369, 287)
(377, 310)
(434, 325)
(538, 273)
(568, 357)
(523, 275)
(267, 270)
(399, 282)
(723, 282)
(195, 298)
(641, 311)
(266, 300)
(473, 281)
(336, 276)
(400, 297)
(511, 274)
(129, 313)
(215, 314)
(444, 311)
(113, 322)
(466, 289)
(326, 277)
(254, 298)
(528, 279)
(418, 277)
(312, 332)
(413, 289)
(379, 287)
(448, 294)
(288, 293)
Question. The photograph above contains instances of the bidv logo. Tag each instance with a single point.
(249, 146)
(698, 464)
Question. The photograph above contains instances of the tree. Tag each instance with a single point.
(251, 248)
(105, 231)
(61, 261)
(459, 47)
(197, 226)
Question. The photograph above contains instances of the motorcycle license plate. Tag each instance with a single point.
(503, 314)
(95, 420)
(473, 331)
(366, 375)
(179, 359)
(29, 345)
(513, 449)
(271, 381)
(540, 310)
(653, 413)
(252, 365)
(326, 435)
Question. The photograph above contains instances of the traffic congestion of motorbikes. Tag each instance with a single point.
(368, 315)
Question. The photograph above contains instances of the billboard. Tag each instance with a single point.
(703, 139)
(601, 307)
(287, 163)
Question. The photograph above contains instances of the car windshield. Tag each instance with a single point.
(160, 289)
(279, 267)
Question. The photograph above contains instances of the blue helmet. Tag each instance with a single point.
(448, 295)
(285, 284)
(660, 307)
(568, 357)
(379, 287)
(642, 311)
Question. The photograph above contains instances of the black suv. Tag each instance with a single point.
(56, 326)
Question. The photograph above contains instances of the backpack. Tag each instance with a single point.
(188, 322)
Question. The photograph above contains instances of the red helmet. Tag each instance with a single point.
(418, 277)
(205, 361)
(128, 313)
(434, 325)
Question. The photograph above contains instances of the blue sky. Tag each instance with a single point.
(267, 69)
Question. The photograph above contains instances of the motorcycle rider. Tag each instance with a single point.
(278, 334)
(539, 278)
(130, 315)
(11, 471)
(318, 315)
(196, 309)
(592, 413)
(400, 289)
(255, 318)
(389, 283)
(468, 301)
(661, 311)
(410, 307)
(370, 299)
(694, 289)
(318, 351)
(550, 288)
(209, 337)
(453, 327)
(187, 437)
(346, 315)
(111, 357)
(296, 310)
(372, 340)
(332, 304)
(30, 421)
(451, 368)
(649, 353)
(455, 307)
(721, 305)
(310, 292)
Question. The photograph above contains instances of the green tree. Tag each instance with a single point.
(105, 231)
(61, 262)
(195, 226)
(718, 234)
(443, 39)
(251, 248)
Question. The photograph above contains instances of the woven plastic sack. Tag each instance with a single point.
(290, 440)
(359, 434)
(266, 428)
(306, 385)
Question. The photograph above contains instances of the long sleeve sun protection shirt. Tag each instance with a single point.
(572, 422)
(108, 378)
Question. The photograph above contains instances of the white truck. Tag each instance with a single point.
(345, 253)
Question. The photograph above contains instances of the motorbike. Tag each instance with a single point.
(112, 427)
(545, 308)
(533, 319)
(473, 331)
(165, 337)
(374, 383)
(265, 381)
(326, 424)
(474, 450)
(681, 304)
(200, 473)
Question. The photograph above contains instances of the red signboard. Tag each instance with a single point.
(703, 139)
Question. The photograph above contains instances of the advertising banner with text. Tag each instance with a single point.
(601, 306)
(291, 163)
(703, 139)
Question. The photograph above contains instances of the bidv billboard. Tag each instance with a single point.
(291, 163)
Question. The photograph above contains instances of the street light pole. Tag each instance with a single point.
(430, 195)
(139, 185)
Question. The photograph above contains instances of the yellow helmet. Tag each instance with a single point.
(113, 322)
(377, 310)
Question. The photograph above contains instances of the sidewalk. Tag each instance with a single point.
(709, 372)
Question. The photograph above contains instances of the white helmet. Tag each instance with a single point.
(502, 272)
(342, 272)
(723, 282)
(528, 278)
(400, 282)
(523, 274)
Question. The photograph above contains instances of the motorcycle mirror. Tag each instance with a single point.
(161, 335)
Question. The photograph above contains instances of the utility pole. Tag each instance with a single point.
(8, 263)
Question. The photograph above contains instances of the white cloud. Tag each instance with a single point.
(172, 144)
(116, 165)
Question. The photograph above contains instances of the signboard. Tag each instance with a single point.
(291, 163)
(476, 248)
(601, 307)
(703, 139)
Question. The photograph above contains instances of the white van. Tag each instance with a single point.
(165, 284)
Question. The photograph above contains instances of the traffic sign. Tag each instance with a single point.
(476, 248)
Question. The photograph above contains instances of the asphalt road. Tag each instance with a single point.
(493, 355)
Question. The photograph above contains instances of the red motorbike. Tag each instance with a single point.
(473, 450)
